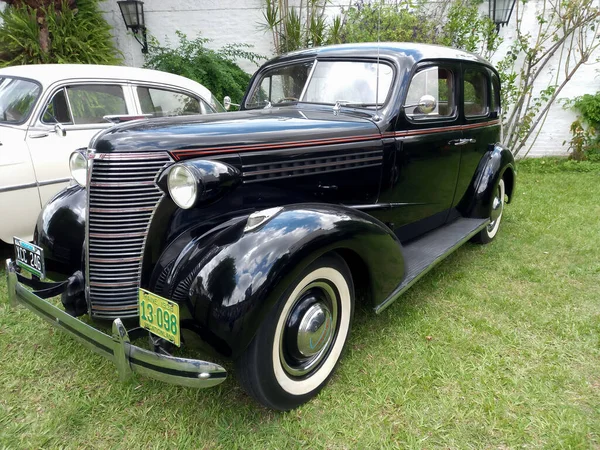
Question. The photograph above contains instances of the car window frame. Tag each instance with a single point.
(43, 111)
(315, 60)
(36, 103)
(495, 88)
(484, 70)
(150, 85)
(63, 84)
(456, 71)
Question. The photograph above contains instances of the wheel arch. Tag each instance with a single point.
(228, 279)
(497, 163)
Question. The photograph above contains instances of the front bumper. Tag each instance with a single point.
(127, 357)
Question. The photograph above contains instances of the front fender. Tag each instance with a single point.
(497, 163)
(229, 279)
(60, 231)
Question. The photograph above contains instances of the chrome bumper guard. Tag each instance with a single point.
(127, 357)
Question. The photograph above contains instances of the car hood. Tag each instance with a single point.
(230, 132)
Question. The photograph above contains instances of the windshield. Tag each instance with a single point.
(353, 83)
(17, 98)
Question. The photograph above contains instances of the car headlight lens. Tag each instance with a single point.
(183, 186)
(78, 165)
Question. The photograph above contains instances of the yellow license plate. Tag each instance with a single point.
(159, 316)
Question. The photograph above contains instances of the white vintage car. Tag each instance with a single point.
(47, 111)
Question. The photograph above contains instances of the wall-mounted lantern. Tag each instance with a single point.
(133, 15)
(500, 11)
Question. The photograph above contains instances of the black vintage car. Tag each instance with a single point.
(348, 173)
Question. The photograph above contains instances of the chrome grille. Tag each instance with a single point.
(123, 195)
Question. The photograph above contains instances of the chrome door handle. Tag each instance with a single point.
(38, 135)
(458, 142)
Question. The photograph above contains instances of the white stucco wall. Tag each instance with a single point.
(222, 21)
(238, 21)
(586, 81)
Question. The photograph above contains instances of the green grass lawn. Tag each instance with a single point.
(498, 347)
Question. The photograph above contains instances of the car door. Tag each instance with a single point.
(19, 198)
(70, 117)
(481, 104)
(427, 153)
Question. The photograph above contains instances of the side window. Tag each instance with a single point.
(57, 110)
(476, 93)
(436, 82)
(495, 97)
(90, 103)
(160, 103)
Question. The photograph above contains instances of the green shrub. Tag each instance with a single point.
(585, 141)
(216, 70)
(75, 35)
(370, 22)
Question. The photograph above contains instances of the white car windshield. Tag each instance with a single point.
(17, 98)
(353, 83)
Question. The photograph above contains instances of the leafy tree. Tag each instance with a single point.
(55, 31)
(216, 70)
(294, 28)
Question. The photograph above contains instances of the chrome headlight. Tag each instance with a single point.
(78, 164)
(183, 186)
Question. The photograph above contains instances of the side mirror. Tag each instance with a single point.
(59, 129)
(426, 104)
(227, 103)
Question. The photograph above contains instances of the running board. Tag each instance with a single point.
(423, 254)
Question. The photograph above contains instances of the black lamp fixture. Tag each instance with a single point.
(133, 15)
(500, 11)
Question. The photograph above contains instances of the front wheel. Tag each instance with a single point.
(298, 346)
(489, 232)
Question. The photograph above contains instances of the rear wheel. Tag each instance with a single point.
(300, 342)
(489, 232)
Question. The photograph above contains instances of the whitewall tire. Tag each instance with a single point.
(298, 346)
(491, 230)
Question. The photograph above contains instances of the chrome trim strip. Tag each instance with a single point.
(117, 348)
(120, 209)
(124, 260)
(16, 187)
(59, 180)
(116, 235)
(126, 184)
(129, 156)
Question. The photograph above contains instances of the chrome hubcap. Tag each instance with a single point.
(315, 330)
(310, 329)
(497, 206)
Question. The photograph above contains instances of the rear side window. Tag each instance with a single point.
(476, 93)
(432, 82)
(90, 103)
(495, 97)
(161, 102)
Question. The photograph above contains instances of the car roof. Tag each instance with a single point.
(48, 74)
(413, 51)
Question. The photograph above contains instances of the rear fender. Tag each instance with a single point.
(229, 279)
(496, 164)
